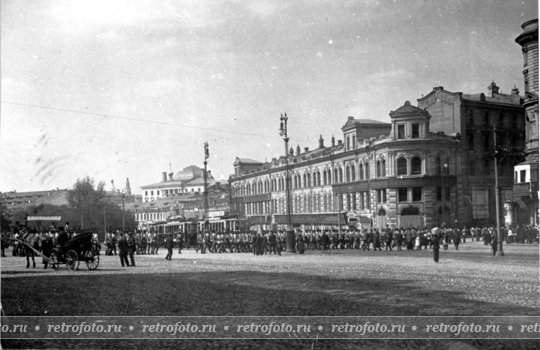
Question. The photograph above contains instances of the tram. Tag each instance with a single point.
(190, 228)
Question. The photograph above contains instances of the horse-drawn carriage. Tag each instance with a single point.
(78, 248)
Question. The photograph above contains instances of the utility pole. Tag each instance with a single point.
(206, 156)
(290, 232)
(497, 195)
(123, 214)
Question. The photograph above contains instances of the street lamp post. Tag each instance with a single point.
(290, 231)
(123, 214)
(443, 193)
(205, 176)
(497, 199)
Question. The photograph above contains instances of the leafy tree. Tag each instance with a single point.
(86, 198)
(5, 218)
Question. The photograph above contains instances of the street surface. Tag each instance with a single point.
(468, 282)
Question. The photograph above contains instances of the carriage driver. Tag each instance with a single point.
(62, 240)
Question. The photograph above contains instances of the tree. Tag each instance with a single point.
(87, 199)
(5, 218)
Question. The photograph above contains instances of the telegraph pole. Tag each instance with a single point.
(206, 156)
(290, 232)
(497, 195)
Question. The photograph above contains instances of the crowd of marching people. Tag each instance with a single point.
(260, 243)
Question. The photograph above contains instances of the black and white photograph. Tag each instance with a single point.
(269, 174)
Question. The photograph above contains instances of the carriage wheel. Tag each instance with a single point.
(54, 260)
(92, 260)
(72, 260)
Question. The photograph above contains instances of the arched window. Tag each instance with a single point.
(347, 173)
(383, 168)
(401, 166)
(368, 175)
(438, 166)
(336, 175)
(329, 177)
(248, 190)
(378, 168)
(340, 175)
(416, 166)
(353, 173)
(360, 172)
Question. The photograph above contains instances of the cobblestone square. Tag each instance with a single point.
(468, 282)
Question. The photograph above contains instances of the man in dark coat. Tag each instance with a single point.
(435, 237)
(123, 248)
(169, 244)
(46, 248)
(132, 247)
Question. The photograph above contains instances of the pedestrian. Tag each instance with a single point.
(435, 243)
(169, 244)
(180, 240)
(123, 250)
(132, 247)
(114, 241)
(457, 238)
(46, 248)
(30, 241)
(494, 243)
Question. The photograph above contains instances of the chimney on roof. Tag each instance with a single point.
(291, 152)
(340, 142)
(515, 91)
(170, 176)
(321, 142)
(350, 118)
(493, 88)
(306, 149)
(333, 141)
(297, 150)
(164, 176)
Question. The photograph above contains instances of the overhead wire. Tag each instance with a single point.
(104, 115)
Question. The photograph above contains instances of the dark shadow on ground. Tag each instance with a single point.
(241, 293)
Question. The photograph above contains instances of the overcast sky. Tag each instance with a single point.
(114, 89)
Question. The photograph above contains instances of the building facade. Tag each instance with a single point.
(396, 174)
(185, 207)
(524, 209)
(486, 125)
(189, 179)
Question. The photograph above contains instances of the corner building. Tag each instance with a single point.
(396, 174)
(475, 119)
(524, 208)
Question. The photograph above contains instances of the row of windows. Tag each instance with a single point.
(149, 216)
(169, 192)
(485, 118)
(415, 131)
(320, 203)
(403, 167)
(483, 142)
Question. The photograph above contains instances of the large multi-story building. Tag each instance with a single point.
(395, 174)
(189, 179)
(524, 208)
(484, 124)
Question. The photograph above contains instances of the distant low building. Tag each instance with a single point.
(183, 207)
(19, 200)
